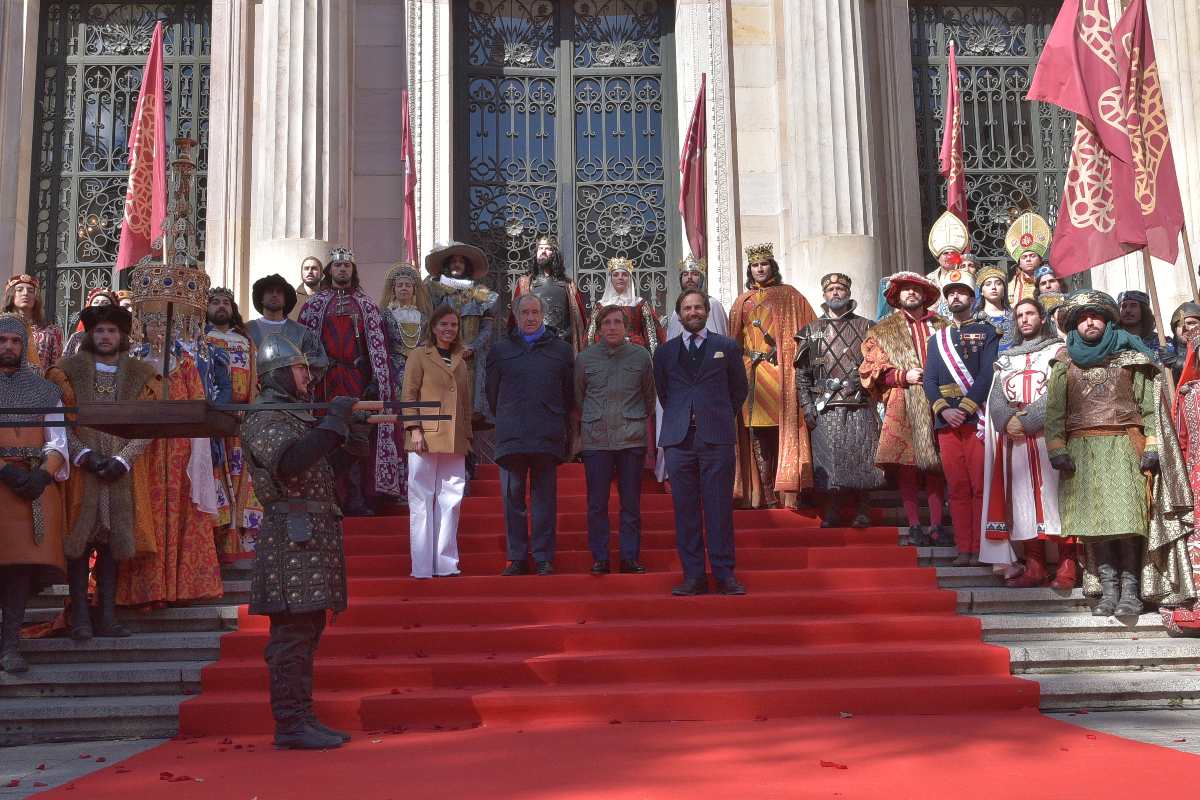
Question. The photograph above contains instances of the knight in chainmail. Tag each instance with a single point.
(841, 418)
(299, 567)
(106, 507)
(32, 459)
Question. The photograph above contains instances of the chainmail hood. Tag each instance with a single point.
(24, 387)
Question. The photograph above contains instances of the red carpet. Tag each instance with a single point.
(835, 620)
(1005, 756)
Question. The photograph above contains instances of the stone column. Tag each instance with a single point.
(300, 202)
(702, 45)
(18, 80)
(831, 219)
(230, 115)
(430, 84)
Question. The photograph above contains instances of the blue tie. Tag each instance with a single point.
(694, 346)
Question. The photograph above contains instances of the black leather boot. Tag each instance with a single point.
(306, 684)
(106, 595)
(1130, 551)
(1104, 555)
(286, 653)
(18, 583)
(81, 613)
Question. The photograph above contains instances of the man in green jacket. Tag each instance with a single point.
(614, 380)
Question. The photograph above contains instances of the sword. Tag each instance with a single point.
(756, 358)
(374, 407)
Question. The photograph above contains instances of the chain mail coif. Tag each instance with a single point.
(24, 387)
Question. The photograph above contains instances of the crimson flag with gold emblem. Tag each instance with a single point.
(1156, 186)
(1098, 219)
(951, 156)
(146, 195)
(692, 178)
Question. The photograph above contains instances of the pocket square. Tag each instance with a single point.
(719, 354)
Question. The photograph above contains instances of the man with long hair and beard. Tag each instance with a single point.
(353, 332)
(239, 514)
(547, 278)
(22, 296)
(108, 508)
(773, 459)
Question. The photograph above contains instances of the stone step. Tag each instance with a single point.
(237, 591)
(103, 679)
(161, 620)
(24, 720)
(1110, 690)
(1104, 655)
(180, 646)
(968, 577)
(1018, 627)
(1003, 600)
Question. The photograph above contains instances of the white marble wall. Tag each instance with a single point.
(18, 71)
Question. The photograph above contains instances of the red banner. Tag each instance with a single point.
(1156, 184)
(1099, 219)
(692, 181)
(408, 156)
(146, 195)
(951, 157)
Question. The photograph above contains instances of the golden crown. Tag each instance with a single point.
(620, 262)
(547, 239)
(691, 263)
(760, 252)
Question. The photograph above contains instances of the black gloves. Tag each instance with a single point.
(810, 416)
(33, 486)
(341, 412)
(111, 469)
(1149, 462)
(1063, 462)
(91, 461)
(13, 476)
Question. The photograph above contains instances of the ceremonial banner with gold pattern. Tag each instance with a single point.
(692, 178)
(951, 161)
(1156, 184)
(146, 195)
(1099, 220)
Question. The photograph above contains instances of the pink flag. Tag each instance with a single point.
(952, 163)
(146, 196)
(1099, 219)
(408, 156)
(1156, 183)
(691, 184)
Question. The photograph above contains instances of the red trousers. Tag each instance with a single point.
(962, 464)
(909, 479)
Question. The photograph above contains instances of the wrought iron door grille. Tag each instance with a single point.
(1016, 152)
(90, 63)
(568, 127)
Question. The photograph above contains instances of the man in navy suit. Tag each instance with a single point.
(701, 385)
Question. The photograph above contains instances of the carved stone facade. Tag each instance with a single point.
(812, 133)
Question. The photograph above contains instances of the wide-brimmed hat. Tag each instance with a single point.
(94, 315)
(901, 279)
(476, 260)
(275, 281)
(1087, 300)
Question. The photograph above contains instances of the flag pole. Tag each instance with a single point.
(1191, 264)
(1152, 290)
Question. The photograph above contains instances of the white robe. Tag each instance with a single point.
(1028, 476)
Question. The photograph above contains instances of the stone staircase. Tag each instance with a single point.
(115, 688)
(1081, 662)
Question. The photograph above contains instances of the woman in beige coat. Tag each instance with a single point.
(437, 450)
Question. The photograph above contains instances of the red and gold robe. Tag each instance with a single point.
(782, 311)
(185, 566)
(239, 513)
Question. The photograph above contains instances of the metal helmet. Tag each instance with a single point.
(278, 352)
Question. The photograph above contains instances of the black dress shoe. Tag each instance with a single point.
(691, 586)
(516, 568)
(632, 566)
(730, 585)
(917, 536)
(600, 568)
(545, 568)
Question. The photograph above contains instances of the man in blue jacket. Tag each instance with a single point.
(701, 385)
(531, 391)
(958, 377)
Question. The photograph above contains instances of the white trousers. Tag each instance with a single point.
(436, 482)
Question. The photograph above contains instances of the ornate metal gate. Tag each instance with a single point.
(567, 126)
(90, 64)
(1016, 152)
